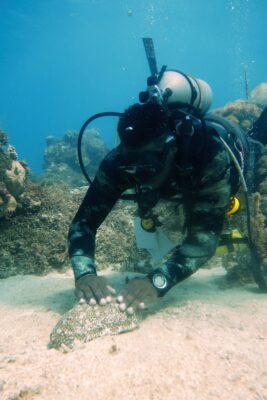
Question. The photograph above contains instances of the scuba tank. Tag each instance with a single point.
(185, 89)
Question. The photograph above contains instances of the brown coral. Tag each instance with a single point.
(12, 178)
(241, 112)
(259, 94)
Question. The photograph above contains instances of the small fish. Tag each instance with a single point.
(84, 323)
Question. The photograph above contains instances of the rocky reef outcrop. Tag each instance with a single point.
(61, 161)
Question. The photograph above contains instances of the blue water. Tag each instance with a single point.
(63, 60)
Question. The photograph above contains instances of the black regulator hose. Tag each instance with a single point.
(82, 130)
(129, 196)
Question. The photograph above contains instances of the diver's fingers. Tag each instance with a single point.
(85, 297)
(135, 306)
(79, 294)
(107, 291)
(111, 289)
(102, 301)
(130, 305)
(122, 306)
(141, 305)
(140, 301)
(106, 296)
(120, 299)
(129, 297)
(99, 294)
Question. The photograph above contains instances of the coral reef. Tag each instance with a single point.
(12, 177)
(241, 112)
(36, 215)
(259, 94)
(84, 323)
(61, 161)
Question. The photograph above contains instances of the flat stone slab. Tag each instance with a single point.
(84, 323)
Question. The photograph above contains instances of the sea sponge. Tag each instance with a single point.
(259, 94)
(241, 112)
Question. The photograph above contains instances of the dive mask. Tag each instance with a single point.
(146, 165)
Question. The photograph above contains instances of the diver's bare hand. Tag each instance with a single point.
(138, 294)
(94, 289)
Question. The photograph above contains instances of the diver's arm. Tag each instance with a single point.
(205, 213)
(98, 202)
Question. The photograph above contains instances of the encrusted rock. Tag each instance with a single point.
(84, 323)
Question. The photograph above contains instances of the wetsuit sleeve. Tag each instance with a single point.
(98, 202)
(205, 212)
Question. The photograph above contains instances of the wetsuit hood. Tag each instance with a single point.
(142, 123)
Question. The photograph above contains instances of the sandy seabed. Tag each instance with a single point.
(199, 343)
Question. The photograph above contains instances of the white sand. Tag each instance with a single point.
(204, 343)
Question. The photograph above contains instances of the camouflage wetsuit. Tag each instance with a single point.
(205, 185)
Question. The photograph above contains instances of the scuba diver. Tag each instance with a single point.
(170, 147)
